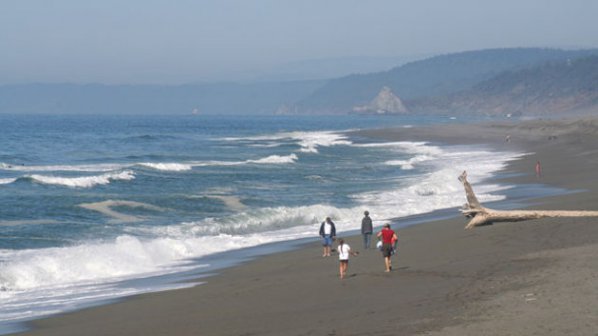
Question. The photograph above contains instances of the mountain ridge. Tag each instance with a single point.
(461, 83)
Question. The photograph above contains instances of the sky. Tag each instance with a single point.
(185, 41)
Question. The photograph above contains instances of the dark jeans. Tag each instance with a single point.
(367, 239)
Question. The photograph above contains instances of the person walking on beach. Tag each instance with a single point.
(388, 237)
(344, 250)
(366, 230)
(538, 169)
(327, 232)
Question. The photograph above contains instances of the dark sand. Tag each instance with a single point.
(536, 277)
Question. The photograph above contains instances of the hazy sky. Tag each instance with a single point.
(180, 41)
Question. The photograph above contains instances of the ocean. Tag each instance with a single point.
(97, 208)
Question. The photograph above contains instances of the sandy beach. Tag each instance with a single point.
(536, 277)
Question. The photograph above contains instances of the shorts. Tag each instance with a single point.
(387, 250)
(327, 240)
(344, 261)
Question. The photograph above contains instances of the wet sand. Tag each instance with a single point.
(537, 277)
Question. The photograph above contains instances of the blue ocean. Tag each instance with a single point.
(96, 208)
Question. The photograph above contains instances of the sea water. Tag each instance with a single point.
(94, 208)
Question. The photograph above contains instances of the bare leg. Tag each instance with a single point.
(343, 269)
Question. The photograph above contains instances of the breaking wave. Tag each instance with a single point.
(307, 141)
(83, 182)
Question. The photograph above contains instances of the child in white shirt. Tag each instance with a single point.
(344, 250)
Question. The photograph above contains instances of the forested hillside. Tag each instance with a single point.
(436, 76)
(549, 89)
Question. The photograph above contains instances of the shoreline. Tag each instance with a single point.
(448, 280)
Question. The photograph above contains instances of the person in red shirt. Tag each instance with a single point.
(389, 237)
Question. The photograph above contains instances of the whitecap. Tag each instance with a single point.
(7, 180)
(167, 166)
(275, 159)
(410, 163)
(308, 141)
(103, 167)
(85, 181)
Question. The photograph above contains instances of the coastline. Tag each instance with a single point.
(447, 280)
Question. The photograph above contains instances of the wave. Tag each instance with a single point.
(275, 159)
(422, 151)
(103, 167)
(7, 180)
(83, 182)
(307, 141)
(410, 163)
(167, 166)
(440, 188)
(409, 147)
(162, 166)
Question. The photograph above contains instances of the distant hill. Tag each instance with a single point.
(436, 76)
(497, 81)
(549, 89)
(325, 69)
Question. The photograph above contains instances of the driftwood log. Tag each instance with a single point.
(481, 215)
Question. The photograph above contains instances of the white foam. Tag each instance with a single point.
(105, 167)
(114, 167)
(167, 166)
(308, 141)
(275, 159)
(409, 147)
(7, 180)
(44, 275)
(272, 159)
(410, 163)
(440, 189)
(83, 182)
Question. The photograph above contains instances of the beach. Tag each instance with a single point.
(535, 277)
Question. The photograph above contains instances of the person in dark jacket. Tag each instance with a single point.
(366, 230)
(327, 232)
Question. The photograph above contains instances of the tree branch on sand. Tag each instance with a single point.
(481, 215)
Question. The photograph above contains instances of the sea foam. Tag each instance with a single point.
(275, 159)
(307, 141)
(167, 166)
(7, 180)
(83, 182)
(105, 167)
